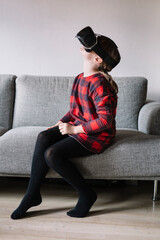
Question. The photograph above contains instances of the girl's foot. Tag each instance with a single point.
(83, 205)
(27, 202)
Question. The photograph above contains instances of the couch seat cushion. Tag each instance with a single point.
(16, 150)
(132, 155)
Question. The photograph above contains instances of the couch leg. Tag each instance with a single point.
(155, 193)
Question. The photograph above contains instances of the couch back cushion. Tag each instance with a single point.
(43, 100)
(7, 92)
(131, 97)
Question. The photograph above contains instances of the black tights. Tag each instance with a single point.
(53, 150)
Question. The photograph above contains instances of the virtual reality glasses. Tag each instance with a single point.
(90, 41)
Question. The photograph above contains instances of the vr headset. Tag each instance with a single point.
(90, 41)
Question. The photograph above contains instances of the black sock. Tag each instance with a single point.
(85, 202)
(27, 202)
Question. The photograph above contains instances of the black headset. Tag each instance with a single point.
(90, 41)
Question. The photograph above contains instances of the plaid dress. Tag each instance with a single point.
(93, 105)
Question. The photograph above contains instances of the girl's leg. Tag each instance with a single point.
(39, 170)
(57, 157)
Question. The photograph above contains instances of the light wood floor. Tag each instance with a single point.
(119, 213)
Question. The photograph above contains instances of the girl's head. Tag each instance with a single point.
(100, 51)
(103, 46)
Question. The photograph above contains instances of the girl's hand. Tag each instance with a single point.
(57, 124)
(66, 128)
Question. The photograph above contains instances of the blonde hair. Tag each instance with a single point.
(112, 50)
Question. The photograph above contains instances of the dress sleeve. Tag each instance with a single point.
(105, 104)
(67, 118)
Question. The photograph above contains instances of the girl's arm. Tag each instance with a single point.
(105, 103)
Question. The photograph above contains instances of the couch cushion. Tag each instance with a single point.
(7, 88)
(131, 97)
(16, 149)
(42, 101)
(133, 155)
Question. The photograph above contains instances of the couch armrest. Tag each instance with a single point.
(149, 118)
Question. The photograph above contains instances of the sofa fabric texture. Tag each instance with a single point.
(2, 130)
(7, 92)
(131, 97)
(41, 101)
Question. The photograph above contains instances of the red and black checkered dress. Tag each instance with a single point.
(93, 105)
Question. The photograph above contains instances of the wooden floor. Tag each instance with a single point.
(119, 213)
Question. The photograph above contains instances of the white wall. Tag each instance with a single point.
(37, 36)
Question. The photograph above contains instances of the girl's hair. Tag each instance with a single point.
(112, 50)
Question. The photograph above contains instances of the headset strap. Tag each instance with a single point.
(106, 58)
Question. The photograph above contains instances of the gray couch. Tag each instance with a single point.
(29, 104)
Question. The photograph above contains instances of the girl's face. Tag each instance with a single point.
(90, 57)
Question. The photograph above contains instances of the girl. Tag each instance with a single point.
(88, 128)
